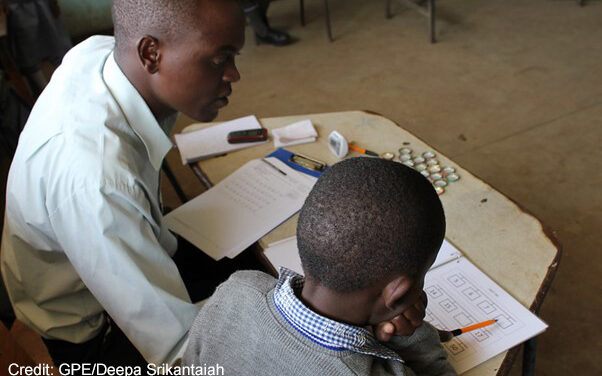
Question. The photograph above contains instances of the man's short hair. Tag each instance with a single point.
(133, 19)
(367, 219)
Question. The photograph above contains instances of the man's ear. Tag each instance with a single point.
(149, 54)
(395, 291)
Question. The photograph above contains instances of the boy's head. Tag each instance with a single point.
(180, 53)
(368, 222)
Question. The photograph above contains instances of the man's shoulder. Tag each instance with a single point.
(100, 45)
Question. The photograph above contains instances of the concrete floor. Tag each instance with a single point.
(512, 92)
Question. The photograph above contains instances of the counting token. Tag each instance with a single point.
(420, 167)
(439, 190)
(425, 173)
(408, 163)
(405, 157)
(428, 154)
(436, 176)
(432, 162)
(449, 170)
(387, 155)
(440, 183)
(405, 151)
(452, 177)
(434, 168)
(419, 160)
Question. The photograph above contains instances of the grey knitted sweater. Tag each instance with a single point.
(240, 329)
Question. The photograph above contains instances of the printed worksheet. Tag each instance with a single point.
(459, 295)
(242, 208)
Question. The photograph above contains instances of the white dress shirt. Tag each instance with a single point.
(83, 230)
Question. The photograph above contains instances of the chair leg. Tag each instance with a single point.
(302, 12)
(388, 13)
(529, 350)
(432, 20)
(172, 179)
(328, 29)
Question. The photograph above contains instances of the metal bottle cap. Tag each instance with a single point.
(439, 190)
(440, 183)
(449, 169)
(428, 154)
(436, 176)
(419, 160)
(432, 162)
(420, 167)
(452, 177)
(387, 155)
(408, 163)
(405, 151)
(405, 157)
(425, 173)
(434, 168)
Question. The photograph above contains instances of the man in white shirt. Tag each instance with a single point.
(84, 245)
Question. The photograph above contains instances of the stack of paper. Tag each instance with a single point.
(242, 208)
(209, 142)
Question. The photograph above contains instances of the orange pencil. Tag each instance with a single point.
(448, 335)
(473, 327)
(363, 151)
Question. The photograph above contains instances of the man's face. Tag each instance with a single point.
(196, 69)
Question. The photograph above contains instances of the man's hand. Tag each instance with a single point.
(405, 324)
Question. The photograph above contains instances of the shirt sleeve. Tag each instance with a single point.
(422, 352)
(111, 239)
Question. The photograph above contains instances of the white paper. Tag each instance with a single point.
(301, 132)
(447, 252)
(459, 294)
(285, 253)
(242, 208)
(212, 141)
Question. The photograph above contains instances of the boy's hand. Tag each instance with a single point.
(405, 324)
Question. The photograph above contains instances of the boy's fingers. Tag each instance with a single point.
(384, 331)
(414, 315)
(403, 326)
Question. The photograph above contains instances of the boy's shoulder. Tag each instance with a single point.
(254, 279)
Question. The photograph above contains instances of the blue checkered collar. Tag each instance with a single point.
(328, 333)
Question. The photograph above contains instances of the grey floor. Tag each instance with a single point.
(512, 92)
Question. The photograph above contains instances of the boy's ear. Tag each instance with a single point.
(395, 291)
(149, 53)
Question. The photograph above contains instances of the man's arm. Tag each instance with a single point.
(125, 267)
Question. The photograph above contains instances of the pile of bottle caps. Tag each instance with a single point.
(428, 165)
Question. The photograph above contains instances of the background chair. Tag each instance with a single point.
(326, 12)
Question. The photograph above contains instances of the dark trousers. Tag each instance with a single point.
(201, 275)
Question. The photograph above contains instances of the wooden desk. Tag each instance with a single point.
(502, 239)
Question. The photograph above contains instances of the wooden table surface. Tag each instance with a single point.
(510, 245)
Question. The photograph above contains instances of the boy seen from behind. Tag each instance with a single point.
(367, 234)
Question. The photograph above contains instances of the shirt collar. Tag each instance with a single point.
(137, 113)
(328, 333)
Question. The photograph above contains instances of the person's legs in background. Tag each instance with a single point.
(256, 12)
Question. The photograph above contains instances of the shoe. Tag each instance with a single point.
(274, 37)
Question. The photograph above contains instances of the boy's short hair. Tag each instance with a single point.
(367, 219)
